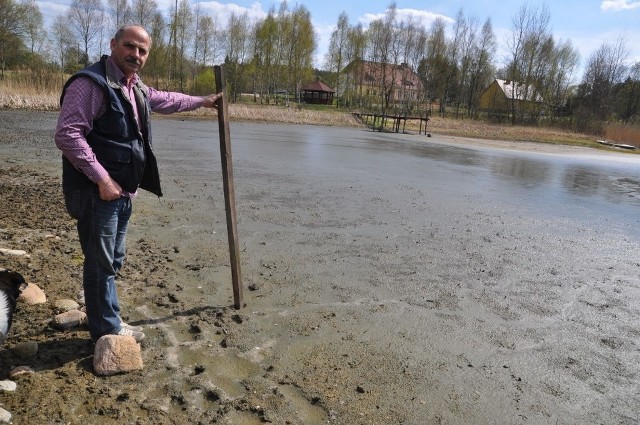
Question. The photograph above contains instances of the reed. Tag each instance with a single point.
(625, 134)
(35, 90)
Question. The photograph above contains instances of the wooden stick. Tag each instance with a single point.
(229, 192)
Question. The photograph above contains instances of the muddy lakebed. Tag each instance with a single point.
(388, 279)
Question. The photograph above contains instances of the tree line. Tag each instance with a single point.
(273, 56)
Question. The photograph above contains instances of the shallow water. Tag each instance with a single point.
(595, 189)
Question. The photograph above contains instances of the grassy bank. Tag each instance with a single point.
(18, 97)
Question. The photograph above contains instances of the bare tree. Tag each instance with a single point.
(12, 18)
(482, 70)
(355, 53)
(434, 69)
(605, 69)
(529, 46)
(559, 71)
(264, 55)
(237, 51)
(181, 31)
(120, 12)
(629, 102)
(184, 34)
(62, 40)
(197, 15)
(208, 40)
(383, 49)
(337, 53)
(85, 18)
(465, 40)
(143, 11)
(301, 45)
(34, 31)
(158, 54)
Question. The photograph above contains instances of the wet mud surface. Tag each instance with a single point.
(406, 287)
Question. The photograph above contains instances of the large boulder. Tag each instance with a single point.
(116, 354)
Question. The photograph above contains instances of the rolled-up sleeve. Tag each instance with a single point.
(165, 102)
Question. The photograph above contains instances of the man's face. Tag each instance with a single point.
(131, 50)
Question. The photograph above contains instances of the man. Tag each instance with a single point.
(104, 134)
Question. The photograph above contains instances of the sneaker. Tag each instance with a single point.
(138, 336)
(130, 327)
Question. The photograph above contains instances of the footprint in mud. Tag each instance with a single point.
(192, 372)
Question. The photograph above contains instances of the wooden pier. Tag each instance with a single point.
(377, 122)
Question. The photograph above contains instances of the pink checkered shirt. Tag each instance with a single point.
(84, 102)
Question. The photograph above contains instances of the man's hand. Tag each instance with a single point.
(109, 189)
(210, 101)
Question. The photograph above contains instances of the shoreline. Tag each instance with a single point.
(464, 129)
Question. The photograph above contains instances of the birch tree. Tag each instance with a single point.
(482, 69)
(61, 40)
(120, 13)
(237, 51)
(143, 12)
(301, 46)
(34, 31)
(529, 46)
(605, 69)
(85, 18)
(336, 57)
(157, 62)
(435, 67)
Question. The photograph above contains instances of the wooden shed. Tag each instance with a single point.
(317, 93)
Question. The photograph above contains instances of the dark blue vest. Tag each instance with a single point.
(120, 145)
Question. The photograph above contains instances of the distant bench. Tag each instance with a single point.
(377, 121)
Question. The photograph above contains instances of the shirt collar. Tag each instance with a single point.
(120, 77)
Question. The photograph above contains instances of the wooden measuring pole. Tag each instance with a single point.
(229, 192)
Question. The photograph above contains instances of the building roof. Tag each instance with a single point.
(401, 74)
(318, 86)
(517, 91)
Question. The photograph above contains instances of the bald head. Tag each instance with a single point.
(130, 49)
(123, 29)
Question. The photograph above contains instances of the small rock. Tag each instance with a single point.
(66, 305)
(5, 417)
(81, 297)
(21, 370)
(116, 354)
(69, 319)
(8, 386)
(32, 294)
(17, 252)
(26, 349)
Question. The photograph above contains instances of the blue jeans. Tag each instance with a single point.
(102, 229)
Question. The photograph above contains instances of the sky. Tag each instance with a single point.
(586, 23)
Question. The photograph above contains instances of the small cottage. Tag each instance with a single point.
(501, 95)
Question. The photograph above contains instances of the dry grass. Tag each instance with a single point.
(21, 96)
(30, 90)
(16, 96)
(281, 114)
(625, 134)
(484, 130)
